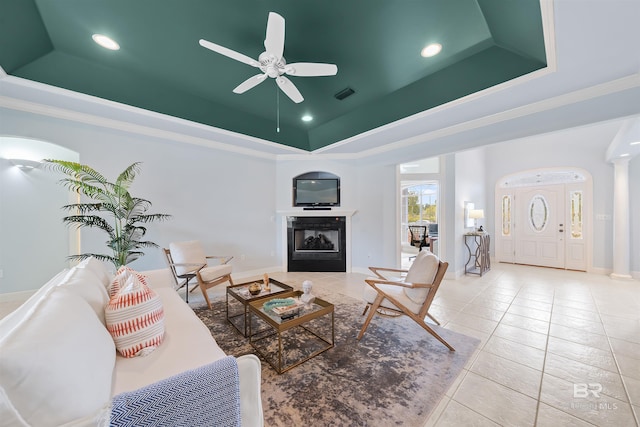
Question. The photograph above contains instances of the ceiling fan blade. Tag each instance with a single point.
(289, 89)
(311, 69)
(249, 83)
(274, 40)
(228, 53)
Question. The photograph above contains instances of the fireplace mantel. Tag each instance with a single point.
(317, 212)
(347, 213)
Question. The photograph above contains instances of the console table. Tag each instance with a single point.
(478, 246)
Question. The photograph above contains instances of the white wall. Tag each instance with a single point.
(224, 199)
(375, 230)
(583, 147)
(469, 186)
(634, 208)
(368, 190)
(229, 201)
(34, 243)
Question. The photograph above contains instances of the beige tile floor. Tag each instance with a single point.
(558, 348)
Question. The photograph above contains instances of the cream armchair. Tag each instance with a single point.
(188, 260)
(411, 297)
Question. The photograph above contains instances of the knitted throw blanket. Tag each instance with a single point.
(205, 396)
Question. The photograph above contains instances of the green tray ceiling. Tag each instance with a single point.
(376, 45)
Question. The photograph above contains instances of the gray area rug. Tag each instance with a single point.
(395, 375)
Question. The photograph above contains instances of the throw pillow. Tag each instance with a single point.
(98, 268)
(121, 275)
(22, 313)
(423, 270)
(85, 283)
(135, 316)
(56, 365)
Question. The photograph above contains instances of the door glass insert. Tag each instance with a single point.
(575, 197)
(538, 213)
(506, 215)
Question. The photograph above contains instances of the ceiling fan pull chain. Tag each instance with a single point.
(277, 109)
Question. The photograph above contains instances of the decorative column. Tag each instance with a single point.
(621, 245)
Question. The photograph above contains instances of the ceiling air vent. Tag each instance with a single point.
(344, 93)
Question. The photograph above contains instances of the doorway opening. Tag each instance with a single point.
(419, 197)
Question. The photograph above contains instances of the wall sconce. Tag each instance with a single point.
(26, 165)
(476, 214)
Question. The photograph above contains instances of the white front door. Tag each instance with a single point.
(544, 225)
(540, 226)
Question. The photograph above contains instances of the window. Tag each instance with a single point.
(575, 198)
(506, 215)
(419, 204)
(538, 213)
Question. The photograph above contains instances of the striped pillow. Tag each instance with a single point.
(121, 275)
(134, 316)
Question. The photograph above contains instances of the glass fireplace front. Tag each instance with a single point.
(316, 243)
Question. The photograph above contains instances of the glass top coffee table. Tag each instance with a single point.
(237, 305)
(285, 341)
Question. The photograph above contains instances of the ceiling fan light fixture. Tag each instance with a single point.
(106, 42)
(307, 118)
(431, 50)
(272, 63)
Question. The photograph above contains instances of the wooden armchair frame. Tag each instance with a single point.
(402, 309)
(195, 272)
(204, 285)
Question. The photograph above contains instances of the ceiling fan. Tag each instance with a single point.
(272, 63)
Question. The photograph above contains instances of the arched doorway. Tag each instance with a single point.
(543, 218)
(31, 227)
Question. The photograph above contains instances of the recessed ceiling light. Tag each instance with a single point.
(105, 42)
(307, 118)
(635, 143)
(625, 155)
(431, 50)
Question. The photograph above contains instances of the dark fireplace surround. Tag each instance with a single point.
(316, 243)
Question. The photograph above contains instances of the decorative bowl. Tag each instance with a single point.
(255, 288)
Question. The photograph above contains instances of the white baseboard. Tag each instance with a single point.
(361, 270)
(250, 274)
(600, 270)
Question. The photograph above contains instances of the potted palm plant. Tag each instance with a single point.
(111, 209)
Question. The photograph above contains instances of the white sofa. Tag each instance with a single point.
(59, 365)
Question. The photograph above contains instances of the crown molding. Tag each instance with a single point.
(590, 93)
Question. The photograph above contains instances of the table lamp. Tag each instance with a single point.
(476, 214)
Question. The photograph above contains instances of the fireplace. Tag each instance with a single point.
(316, 243)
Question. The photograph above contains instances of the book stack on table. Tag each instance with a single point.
(288, 311)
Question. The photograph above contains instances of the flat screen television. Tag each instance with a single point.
(313, 191)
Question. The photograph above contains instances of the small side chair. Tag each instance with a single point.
(411, 297)
(419, 236)
(188, 260)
